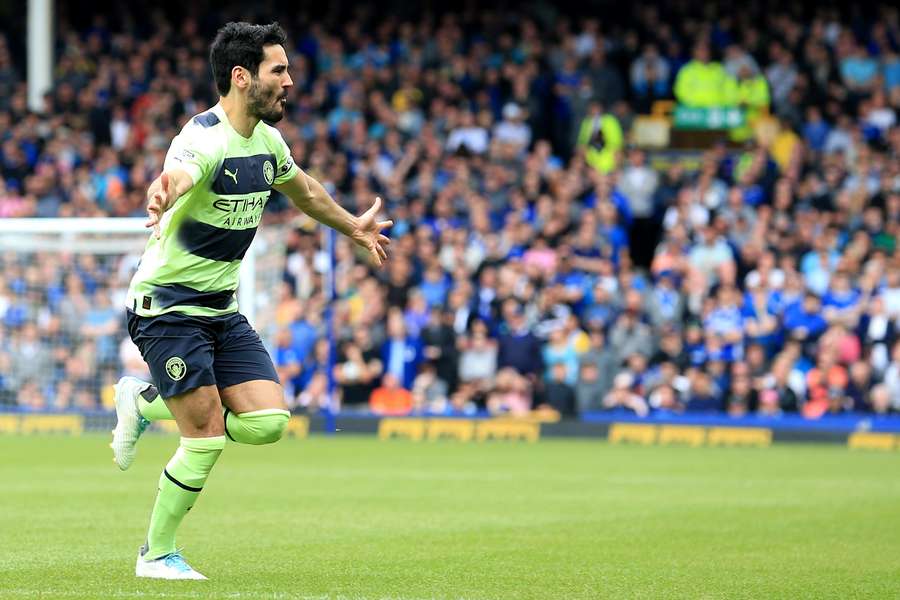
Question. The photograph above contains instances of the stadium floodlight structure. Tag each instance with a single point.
(39, 254)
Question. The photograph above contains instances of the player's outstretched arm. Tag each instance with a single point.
(311, 197)
(163, 193)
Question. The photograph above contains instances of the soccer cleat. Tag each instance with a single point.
(129, 422)
(170, 566)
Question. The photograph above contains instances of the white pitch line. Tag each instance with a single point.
(30, 593)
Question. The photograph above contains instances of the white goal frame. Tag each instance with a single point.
(16, 235)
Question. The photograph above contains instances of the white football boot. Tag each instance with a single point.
(129, 422)
(170, 566)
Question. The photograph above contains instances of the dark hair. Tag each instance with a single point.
(241, 45)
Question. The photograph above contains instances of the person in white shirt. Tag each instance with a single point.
(513, 130)
(469, 135)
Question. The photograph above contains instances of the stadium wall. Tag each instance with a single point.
(861, 432)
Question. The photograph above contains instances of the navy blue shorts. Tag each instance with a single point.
(186, 352)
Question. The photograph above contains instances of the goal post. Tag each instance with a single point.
(63, 284)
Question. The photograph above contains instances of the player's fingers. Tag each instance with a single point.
(385, 224)
(164, 181)
(383, 239)
(376, 257)
(373, 210)
(381, 251)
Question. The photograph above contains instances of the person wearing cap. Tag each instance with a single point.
(513, 130)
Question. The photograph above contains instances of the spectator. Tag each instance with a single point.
(287, 364)
(638, 183)
(478, 358)
(558, 394)
(430, 393)
(560, 350)
(468, 137)
(665, 399)
(858, 69)
(401, 353)
(520, 349)
(439, 345)
(391, 398)
(701, 83)
(513, 131)
(603, 358)
(704, 394)
(511, 394)
(741, 398)
(805, 322)
(622, 398)
(650, 76)
(629, 335)
(357, 370)
(31, 360)
(600, 138)
(781, 74)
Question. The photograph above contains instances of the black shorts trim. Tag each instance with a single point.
(225, 419)
(175, 294)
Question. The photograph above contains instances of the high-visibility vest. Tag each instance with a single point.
(702, 85)
(601, 156)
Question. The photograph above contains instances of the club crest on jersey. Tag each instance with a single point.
(175, 368)
(268, 172)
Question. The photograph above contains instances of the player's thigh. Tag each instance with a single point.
(244, 371)
(253, 395)
(179, 350)
(198, 412)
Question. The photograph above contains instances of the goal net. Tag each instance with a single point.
(63, 342)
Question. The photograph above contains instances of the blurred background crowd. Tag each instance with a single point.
(542, 257)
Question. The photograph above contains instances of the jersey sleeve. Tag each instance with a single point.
(194, 151)
(286, 169)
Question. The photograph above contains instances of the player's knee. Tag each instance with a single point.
(274, 427)
(270, 427)
(204, 426)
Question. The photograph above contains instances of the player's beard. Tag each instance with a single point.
(265, 105)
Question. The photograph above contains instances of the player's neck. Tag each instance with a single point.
(236, 110)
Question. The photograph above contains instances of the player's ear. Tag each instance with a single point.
(240, 77)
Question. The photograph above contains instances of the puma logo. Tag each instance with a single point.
(232, 175)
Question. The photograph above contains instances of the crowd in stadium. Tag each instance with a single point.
(538, 259)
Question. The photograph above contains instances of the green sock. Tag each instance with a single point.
(257, 426)
(179, 486)
(152, 407)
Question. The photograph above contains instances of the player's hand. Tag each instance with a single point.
(368, 233)
(159, 201)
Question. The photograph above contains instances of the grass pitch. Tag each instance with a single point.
(351, 517)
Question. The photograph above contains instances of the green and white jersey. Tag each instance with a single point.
(193, 267)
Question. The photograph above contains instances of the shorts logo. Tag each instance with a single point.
(176, 368)
(268, 172)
